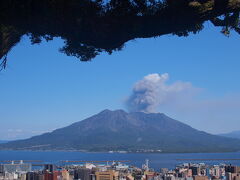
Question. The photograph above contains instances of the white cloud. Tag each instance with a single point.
(153, 91)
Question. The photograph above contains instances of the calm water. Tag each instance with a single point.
(157, 161)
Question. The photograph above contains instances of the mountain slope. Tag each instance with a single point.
(118, 130)
(3, 141)
(234, 134)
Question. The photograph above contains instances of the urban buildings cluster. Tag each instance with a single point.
(117, 171)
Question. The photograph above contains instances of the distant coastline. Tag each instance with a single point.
(113, 152)
(157, 160)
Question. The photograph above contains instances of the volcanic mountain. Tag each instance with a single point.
(233, 134)
(122, 131)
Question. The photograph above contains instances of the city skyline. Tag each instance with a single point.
(116, 170)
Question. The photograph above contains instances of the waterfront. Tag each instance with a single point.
(156, 160)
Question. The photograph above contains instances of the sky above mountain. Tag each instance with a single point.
(42, 89)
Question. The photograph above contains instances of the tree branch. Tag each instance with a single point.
(90, 27)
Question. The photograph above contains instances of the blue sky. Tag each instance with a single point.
(43, 89)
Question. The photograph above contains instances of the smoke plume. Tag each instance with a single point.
(152, 91)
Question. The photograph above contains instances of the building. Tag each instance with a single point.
(200, 178)
(107, 175)
(66, 175)
(228, 176)
(49, 167)
(195, 170)
(216, 172)
(55, 175)
(84, 174)
(149, 175)
(34, 176)
(189, 173)
(19, 167)
(163, 170)
(31, 175)
(232, 169)
(235, 176)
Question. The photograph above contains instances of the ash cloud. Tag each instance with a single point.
(153, 91)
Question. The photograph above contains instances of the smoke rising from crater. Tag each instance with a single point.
(153, 91)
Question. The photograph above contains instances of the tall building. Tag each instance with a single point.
(216, 172)
(195, 170)
(34, 176)
(49, 167)
(107, 175)
(84, 174)
(31, 176)
(207, 172)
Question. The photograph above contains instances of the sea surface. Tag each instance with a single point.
(156, 160)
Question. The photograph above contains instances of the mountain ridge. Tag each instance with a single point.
(132, 132)
(233, 134)
(3, 141)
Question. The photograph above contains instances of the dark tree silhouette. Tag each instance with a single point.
(89, 27)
